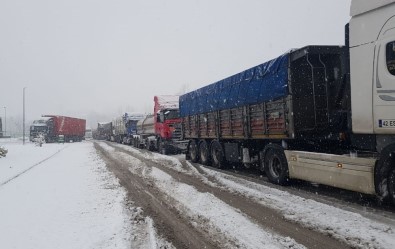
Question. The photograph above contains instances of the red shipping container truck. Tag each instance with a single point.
(53, 126)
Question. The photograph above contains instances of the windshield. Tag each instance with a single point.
(40, 121)
(171, 114)
(38, 128)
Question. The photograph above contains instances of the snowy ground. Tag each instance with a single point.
(59, 196)
(219, 215)
(63, 196)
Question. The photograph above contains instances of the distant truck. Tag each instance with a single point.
(104, 131)
(324, 114)
(118, 130)
(88, 134)
(125, 127)
(1, 128)
(53, 126)
(161, 131)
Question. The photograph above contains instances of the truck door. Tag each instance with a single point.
(384, 80)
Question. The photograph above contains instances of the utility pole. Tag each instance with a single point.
(5, 121)
(24, 115)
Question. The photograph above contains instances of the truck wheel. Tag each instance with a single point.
(391, 185)
(162, 147)
(276, 166)
(217, 155)
(193, 151)
(204, 153)
(382, 176)
(148, 145)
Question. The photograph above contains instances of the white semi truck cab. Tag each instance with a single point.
(372, 116)
(372, 67)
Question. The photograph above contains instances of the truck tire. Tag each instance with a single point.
(148, 145)
(204, 153)
(162, 147)
(391, 185)
(382, 175)
(276, 166)
(217, 155)
(193, 151)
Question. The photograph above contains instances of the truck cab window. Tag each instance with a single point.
(171, 114)
(390, 56)
(160, 118)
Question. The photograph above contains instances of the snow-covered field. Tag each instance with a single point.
(59, 196)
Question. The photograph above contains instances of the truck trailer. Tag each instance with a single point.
(324, 114)
(119, 130)
(161, 131)
(53, 126)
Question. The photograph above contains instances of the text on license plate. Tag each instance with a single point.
(387, 123)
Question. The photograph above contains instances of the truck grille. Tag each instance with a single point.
(176, 135)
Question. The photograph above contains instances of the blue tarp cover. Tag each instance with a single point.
(265, 82)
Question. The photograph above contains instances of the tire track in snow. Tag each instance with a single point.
(30, 168)
(264, 216)
(168, 222)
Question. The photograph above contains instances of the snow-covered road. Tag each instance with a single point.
(105, 195)
(348, 227)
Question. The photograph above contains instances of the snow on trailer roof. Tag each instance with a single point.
(41, 122)
(43, 119)
(133, 116)
(362, 6)
(59, 116)
(167, 101)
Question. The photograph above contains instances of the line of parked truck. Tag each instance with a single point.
(160, 131)
(324, 114)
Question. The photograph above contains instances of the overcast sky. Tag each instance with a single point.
(96, 59)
